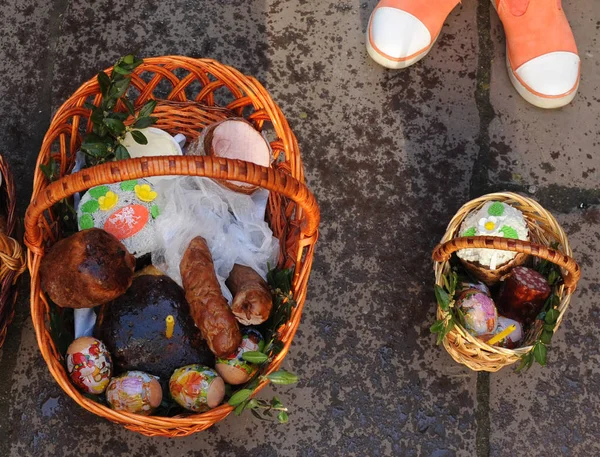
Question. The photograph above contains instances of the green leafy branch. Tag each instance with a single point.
(104, 142)
(445, 299)
(280, 282)
(549, 317)
(242, 400)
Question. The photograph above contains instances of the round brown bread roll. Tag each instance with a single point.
(87, 269)
(133, 328)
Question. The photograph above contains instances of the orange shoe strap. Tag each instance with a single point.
(541, 29)
(432, 13)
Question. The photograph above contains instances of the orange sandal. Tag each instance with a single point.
(541, 53)
(402, 32)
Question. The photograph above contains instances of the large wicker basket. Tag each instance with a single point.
(193, 88)
(544, 230)
(12, 257)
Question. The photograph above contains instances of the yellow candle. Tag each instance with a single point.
(503, 334)
(170, 321)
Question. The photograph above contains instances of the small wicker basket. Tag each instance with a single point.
(12, 256)
(193, 85)
(543, 230)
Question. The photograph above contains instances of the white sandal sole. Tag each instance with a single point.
(394, 64)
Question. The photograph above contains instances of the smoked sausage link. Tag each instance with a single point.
(208, 307)
(252, 301)
(523, 294)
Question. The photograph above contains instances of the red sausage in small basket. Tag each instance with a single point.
(523, 294)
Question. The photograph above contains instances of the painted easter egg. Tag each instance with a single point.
(479, 310)
(134, 392)
(126, 222)
(89, 365)
(197, 388)
(234, 369)
(126, 210)
(514, 338)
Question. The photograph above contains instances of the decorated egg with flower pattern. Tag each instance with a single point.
(479, 311)
(89, 365)
(197, 388)
(134, 392)
(126, 210)
(234, 369)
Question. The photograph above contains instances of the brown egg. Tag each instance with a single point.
(234, 374)
(234, 369)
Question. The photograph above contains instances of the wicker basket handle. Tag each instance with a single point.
(443, 251)
(211, 167)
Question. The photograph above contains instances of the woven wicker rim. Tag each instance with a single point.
(293, 208)
(12, 256)
(544, 229)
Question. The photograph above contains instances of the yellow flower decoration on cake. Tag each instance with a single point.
(145, 193)
(108, 201)
(489, 225)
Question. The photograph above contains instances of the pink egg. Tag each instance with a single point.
(479, 310)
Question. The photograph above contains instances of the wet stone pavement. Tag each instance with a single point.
(391, 156)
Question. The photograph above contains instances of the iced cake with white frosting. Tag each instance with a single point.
(493, 219)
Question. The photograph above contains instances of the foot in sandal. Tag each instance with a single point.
(541, 53)
(401, 32)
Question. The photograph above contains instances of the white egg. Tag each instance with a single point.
(89, 365)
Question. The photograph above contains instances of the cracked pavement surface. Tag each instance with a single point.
(391, 156)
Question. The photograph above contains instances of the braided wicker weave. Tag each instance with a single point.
(12, 257)
(543, 230)
(193, 86)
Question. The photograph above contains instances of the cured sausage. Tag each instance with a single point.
(522, 295)
(252, 301)
(208, 307)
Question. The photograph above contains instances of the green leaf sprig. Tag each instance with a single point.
(445, 299)
(104, 142)
(280, 282)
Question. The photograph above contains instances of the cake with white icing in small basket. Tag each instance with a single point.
(493, 219)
